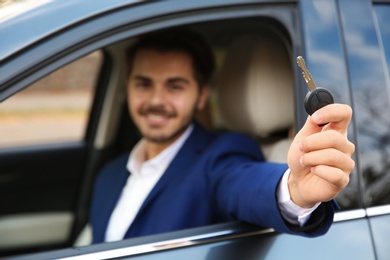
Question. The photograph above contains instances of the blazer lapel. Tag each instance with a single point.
(108, 197)
(179, 165)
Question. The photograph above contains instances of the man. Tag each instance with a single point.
(181, 176)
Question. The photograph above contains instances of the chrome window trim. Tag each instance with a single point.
(378, 210)
(361, 213)
(349, 215)
(169, 244)
(211, 237)
(221, 234)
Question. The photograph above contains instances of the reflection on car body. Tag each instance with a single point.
(47, 183)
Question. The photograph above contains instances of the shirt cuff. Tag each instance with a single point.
(291, 212)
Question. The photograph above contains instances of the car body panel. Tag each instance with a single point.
(344, 240)
(342, 55)
(380, 229)
(61, 14)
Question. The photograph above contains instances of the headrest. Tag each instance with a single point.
(255, 89)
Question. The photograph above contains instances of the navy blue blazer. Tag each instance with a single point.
(213, 179)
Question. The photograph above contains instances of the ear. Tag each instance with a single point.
(203, 97)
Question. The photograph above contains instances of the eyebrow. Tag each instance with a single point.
(140, 77)
(170, 80)
(178, 80)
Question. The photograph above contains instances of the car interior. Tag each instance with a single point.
(252, 89)
(255, 90)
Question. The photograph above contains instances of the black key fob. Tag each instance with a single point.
(317, 99)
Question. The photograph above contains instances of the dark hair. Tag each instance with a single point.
(183, 40)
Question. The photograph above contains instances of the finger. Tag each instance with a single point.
(325, 140)
(337, 178)
(337, 115)
(310, 127)
(330, 157)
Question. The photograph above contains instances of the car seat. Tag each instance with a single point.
(255, 92)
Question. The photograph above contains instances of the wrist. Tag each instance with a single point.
(296, 194)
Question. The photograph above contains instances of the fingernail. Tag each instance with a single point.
(301, 161)
(316, 117)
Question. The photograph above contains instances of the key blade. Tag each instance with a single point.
(306, 74)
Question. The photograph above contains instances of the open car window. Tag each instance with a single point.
(54, 109)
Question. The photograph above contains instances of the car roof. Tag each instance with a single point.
(25, 22)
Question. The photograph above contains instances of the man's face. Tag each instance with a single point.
(163, 94)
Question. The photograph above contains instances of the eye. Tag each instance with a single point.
(175, 87)
(142, 84)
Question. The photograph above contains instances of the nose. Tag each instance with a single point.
(157, 96)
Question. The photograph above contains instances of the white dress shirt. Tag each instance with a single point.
(145, 174)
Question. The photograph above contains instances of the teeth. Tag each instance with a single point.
(156, 117)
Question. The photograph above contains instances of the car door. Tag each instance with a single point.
(51, 102)
(368, 54)
(48, 180)
(364, 51)
(46, 131)
(105, 32)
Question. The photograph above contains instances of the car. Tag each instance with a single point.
(64, 115)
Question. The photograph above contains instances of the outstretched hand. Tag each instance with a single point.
(320, 157)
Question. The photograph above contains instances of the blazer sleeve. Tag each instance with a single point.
(244, 187)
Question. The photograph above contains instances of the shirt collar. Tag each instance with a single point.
(162, 160)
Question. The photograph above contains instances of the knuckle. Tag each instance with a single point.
(304, 144)
(345, 180)
(337, 158)
(352, 165)
(340, 179)
(352, 148)
(333, 137)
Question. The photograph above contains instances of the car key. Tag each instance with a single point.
(316, 98)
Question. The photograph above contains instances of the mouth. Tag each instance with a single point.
(156, 118)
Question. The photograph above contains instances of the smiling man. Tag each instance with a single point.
(163, 97)
(180, 175)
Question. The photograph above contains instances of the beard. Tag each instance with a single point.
(162, 139)
(171, 135)
(156, 110)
